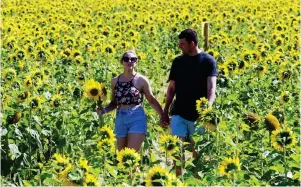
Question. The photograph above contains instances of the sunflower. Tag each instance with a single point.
(285, 74)
(210, 119)
(283, 139)
(175, 181)
(229, 166)
(9, 74)
(213, 53)
(56, 100)
(106, 146)
(252, 120)
(271, 122)
(35, 102)
(80, 77)
(128, 158)
(95, 90)
(61, 159)
(169, 144)
(285, 97)
(232, 65)
(261, 69)
(106, 133)
(202, 104)
(90, 180)
(223, 70)
(158, 176)
(83, 164)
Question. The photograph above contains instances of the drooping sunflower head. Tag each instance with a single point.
(271, 122)
(229, 166)
(210, 119)
(106, 146)
(128, 158)
(23, 96)
(56, 100)
(61, 159)
(169, 144)
(83, 164)
(283, 139)
(28, 82)
(80, 77)
(285, 97)
(285, 74)
(261, 69)
(252, 120)
(106, 133)
(9, 74)
(158, 176)
(202, 104)
(90, 180)
(94, 90)
(35, 102)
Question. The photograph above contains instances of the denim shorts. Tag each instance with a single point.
(130, 121)
(182, 127)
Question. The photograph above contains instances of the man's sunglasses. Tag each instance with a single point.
(127, 59)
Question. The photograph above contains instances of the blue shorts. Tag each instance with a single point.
(130, 121)
(182, 127)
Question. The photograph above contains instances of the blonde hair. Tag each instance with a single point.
(127, 52)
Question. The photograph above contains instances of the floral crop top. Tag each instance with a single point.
(127, 94)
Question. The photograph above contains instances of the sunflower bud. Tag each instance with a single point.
(272, 122)
(252, 120)
(14, 118)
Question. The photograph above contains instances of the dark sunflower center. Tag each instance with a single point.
(286, 75)
(91, 184)
(34, 103)
(56, 103)
(286, 98)
(10, 76)
(109, 50)
(170, 147)
(230, 167)
(28, 83)
(94, 92)
(128, 160)
(241, 64)
(156, 178)
(285, 139)
(247, 57)
(105, 134)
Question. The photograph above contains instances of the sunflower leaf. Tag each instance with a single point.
(279, 168)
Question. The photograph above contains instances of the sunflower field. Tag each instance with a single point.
(57, 60)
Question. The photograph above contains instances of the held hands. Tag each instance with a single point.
(164, 121)
(101, 111)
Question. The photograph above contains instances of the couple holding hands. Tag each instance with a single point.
(192, 76)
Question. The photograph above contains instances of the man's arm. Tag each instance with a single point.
(171, 90)
(211, 88)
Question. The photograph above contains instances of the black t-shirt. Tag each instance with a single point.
(190, 75)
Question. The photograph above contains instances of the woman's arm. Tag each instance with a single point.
(150, 97)
(112, 105)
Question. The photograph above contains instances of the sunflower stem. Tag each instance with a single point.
(166, 154)
(284, 161)
(104, 167)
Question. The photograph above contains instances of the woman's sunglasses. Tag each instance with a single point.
(127, 59)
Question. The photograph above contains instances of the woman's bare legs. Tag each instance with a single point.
(121, 143)
(135, 141)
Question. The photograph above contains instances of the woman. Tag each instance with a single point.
(126, 91)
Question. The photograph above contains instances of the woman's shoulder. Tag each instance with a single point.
(115, 79)
(140, 77)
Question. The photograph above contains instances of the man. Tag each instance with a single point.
(192, 76)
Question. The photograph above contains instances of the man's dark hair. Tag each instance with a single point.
(190, 36)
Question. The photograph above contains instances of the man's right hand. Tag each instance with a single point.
(164, 121)
(100, 111)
